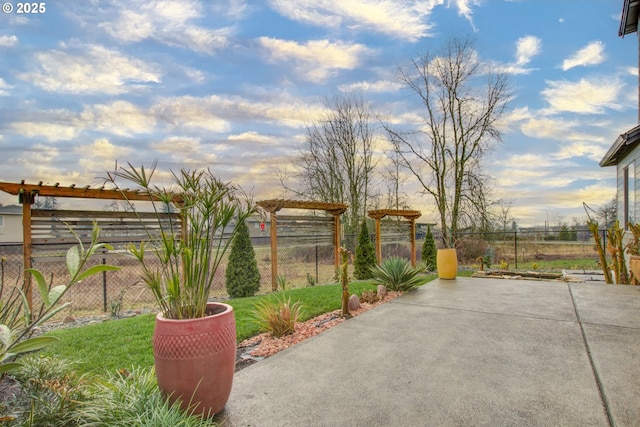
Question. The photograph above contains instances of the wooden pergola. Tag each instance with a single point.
(274, 205)
(27, 194)
(410, 215)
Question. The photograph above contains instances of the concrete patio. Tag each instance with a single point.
(464, 352)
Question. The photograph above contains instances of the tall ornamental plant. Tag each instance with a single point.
(183, 265)
(194, 340)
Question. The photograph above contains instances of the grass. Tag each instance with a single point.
(562, 264)
(126, 343)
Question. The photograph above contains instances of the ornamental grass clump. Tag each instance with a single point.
(180, 258)
(48, 392)
(132, 398)
(278, 315)
(397, 275)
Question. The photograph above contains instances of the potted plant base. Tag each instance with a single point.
(447, 263)
(195, 359)
(634, 265)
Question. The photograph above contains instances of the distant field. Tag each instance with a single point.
(299, 265)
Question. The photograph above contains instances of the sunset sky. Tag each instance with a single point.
(233, 84)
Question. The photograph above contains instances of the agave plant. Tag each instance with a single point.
(397, 275)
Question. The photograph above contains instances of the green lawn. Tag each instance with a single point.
(124, 343)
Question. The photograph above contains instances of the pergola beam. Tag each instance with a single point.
(72, 191)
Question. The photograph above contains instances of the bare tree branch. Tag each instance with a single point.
(460, 116)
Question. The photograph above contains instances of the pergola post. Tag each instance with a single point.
(336, 239)
(378, 242)
(413, 242)
(26, 198)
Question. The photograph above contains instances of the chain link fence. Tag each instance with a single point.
(522, 248)
(301, 262)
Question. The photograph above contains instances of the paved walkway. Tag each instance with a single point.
(464, 352)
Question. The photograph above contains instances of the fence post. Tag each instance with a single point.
(316, 260)
(515, 242)
(104, 286)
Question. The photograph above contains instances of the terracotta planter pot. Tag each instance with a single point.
(634, 265)
(195, 358)
(447, 263)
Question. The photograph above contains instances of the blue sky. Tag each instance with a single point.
(233, 84)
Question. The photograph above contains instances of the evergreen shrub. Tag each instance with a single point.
(242, 274)
(429, 251)
(365, 254)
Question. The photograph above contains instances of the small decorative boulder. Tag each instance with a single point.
(354, 302)
(382, 291)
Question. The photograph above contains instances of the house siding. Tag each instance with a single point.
(11, 229)
(633, 158)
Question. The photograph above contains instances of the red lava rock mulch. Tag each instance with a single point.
(266, 345)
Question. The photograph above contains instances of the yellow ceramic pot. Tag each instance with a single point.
(634, 264)
(447, 263)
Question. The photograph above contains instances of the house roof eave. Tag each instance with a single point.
(629, 17)
(621, 147)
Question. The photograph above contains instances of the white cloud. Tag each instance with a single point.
(103, 155)
(464, 8)
(194, 74)
(215, 112)
(251, 136)
(90, 69)
(378, 86)
(580, 149)
(170, 22)
(587, 96)
(188, 112)
(118, 118)
(182, 144)
(526, 48)
(44, 154)
(8, 41)
(548, 128)
(405, 19)
(591, 54)
(49, 131)
(3, 86)
(512, 118)
(316, 60)
(187, 152)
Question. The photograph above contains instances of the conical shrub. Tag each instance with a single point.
(365, 254)
(242, 274)
(429, 252)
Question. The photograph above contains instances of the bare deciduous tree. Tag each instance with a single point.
(463, 102)
(393, 180)
(607, 213)
(337, 163)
